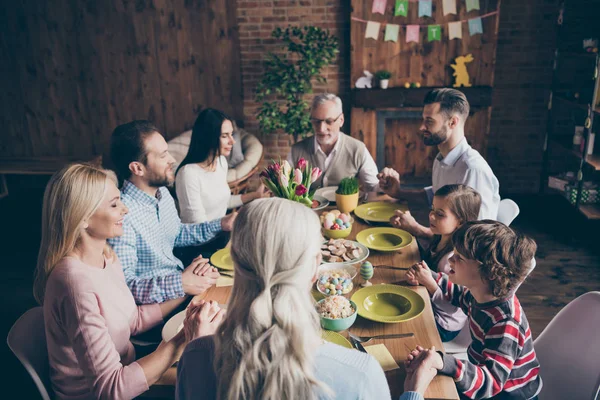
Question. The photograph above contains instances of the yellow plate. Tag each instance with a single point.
(388, 303)
(384, 239)
(378, 211)
(222, 259)
(336, 338)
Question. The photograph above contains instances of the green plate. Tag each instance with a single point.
(378, 211)
(388, 303)
(384, 239)
(336, 338)
(222, 259)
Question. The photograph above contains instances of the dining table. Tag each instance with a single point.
(389, 268)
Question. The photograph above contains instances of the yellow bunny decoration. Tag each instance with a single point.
(460, 70)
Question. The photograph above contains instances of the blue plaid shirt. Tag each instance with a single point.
(150, 231)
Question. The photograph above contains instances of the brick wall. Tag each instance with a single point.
(522, 82)
(256, 20)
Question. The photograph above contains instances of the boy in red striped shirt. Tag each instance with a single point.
(490, 261)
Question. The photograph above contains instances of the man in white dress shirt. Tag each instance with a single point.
(335, 153)
(444, 116)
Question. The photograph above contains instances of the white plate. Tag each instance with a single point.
(171, 328)
(328, 192)
(364, 253)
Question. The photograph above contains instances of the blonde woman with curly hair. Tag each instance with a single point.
(269, 345)
(89, 312)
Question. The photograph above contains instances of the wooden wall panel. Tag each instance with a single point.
(71, 71)
(364, 128)
(425, 62)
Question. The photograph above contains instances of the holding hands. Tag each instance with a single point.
(421, 274)
(404, 220)
(202, 318)
(389, 182)
(227, 221)
(421, 366)
(199, 276)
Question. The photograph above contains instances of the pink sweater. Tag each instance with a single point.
(90, 315)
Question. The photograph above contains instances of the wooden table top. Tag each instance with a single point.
(423, 326)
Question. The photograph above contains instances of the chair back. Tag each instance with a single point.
(507, 211)
(569, 351)
(27, 340)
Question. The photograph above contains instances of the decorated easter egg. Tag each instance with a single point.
(336, 213)
(339, 222)
(344, 217)
(327, 224)
(329, 217)
(366, 270)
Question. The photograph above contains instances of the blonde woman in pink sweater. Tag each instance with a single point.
(89, 311)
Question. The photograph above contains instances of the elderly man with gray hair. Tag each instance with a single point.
(336, 154)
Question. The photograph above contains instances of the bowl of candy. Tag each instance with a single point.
(337, 313)
(336, 225)
(335, 279)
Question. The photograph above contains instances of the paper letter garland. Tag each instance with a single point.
(378, 6)
(449, 7)
(412, 33)
(401, 8)
(434, 32)
(391, 32)
(372, 30)
(472, 5)
(424, 8)
(455, 30)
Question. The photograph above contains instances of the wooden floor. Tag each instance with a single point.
(568, 262)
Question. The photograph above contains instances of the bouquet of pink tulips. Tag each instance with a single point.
(291, 184)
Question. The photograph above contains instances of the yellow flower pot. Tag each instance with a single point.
(346, 203)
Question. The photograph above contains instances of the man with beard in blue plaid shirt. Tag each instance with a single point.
(152, 227)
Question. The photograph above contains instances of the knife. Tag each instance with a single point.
(357, 345)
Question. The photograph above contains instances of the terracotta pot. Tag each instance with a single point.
(346, 203)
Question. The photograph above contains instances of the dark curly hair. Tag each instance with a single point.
(504, 254)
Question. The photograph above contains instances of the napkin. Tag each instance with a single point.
(224, 280)
(383, 356)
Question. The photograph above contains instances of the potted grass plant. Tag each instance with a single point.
(383, 77)
(346, 195)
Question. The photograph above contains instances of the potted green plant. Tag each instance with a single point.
(288, 78)
(383, 77)
(346, 195)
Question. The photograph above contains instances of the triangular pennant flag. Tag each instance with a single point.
(449, 7)
(372, 30)
(455, 30)
(378, 6)
(424, 8)
(412, 33)
(391, 32)
(434, 32)
(401, 8)
(472, 5)
(475, 26)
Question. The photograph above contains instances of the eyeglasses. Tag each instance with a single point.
(328, 121)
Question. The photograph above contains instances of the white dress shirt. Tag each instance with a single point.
(465, 165)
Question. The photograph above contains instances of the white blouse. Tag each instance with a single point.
(204, 195)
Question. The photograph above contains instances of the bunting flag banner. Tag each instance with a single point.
(455, 30)
(379, 6)
(412, 33)
(372, 30)
(472, 5)
(434, 32)
(449, 6)
(401, 8)
(391, 33)
(424, 8)
(475, 26)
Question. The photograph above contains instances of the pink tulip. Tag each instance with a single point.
(301, 164)
(276, 168)
(301, 190)
(297, 176)
(315, 174)
(264, 174)
(284, 180)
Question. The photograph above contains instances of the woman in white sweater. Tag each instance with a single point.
(201, 182)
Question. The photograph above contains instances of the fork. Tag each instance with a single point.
(365, 339)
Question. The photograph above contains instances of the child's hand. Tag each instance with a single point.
(422, 274)
(411, 278)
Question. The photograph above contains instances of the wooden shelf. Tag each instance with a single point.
(592, 160)
(399, 97)
(591, 211)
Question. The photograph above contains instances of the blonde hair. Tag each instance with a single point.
(72, 195)
(266, 346)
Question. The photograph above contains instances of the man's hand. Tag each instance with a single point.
(227, 221)
(202, 318)
(261, 192)
(389, 182)
(421, 367)
(404, 220)
(199, 276)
